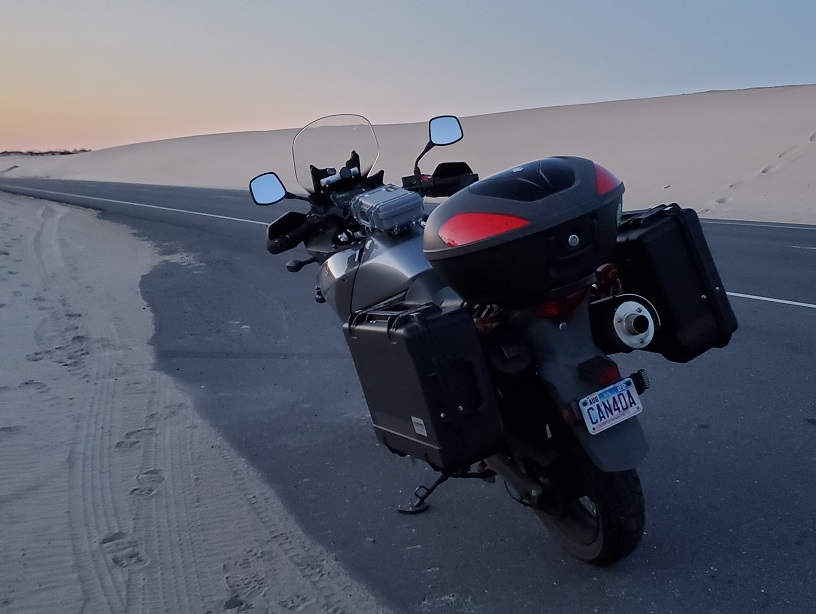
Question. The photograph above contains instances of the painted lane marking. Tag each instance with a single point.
(771, 300)
(125, 202)
(758, 225)
(236, 219)
(801, 247)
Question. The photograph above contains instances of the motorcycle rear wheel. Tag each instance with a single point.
(597, 517)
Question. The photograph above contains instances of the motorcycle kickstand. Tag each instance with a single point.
(422, 493)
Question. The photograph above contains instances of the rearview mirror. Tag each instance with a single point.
(267, 189)
(445, 130)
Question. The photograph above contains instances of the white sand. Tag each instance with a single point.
(114, 495)
(746, 154)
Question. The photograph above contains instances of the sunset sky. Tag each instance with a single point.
(99, 73)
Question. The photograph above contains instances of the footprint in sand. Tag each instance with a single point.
(117, 539)
(132, 438)
(144, 431)
(129, 558)
(786, 152)
(148, 483)
(126, 444)
(38, 386)
(143, 491)
(123, 550)
(233, 604)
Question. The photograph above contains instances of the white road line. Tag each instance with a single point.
(771, 300)
(801, 247)
(237, 219)
(758, 225)
(125, 202)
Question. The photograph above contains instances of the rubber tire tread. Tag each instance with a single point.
(618, 499)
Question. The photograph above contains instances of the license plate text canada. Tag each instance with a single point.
(608, 407)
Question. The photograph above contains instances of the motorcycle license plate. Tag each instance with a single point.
(608, 407)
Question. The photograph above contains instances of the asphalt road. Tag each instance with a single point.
(730, 481)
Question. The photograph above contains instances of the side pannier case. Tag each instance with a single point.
(527, 233)
(426, 383)
(662, 255)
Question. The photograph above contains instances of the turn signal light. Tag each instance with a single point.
(605, 181)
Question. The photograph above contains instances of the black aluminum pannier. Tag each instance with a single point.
(426, 383)
(662, 255)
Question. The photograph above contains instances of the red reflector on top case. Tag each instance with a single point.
(605, 181)
(467, 228)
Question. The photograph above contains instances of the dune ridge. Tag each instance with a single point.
(745, 154)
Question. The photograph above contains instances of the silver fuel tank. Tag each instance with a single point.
(384, 267)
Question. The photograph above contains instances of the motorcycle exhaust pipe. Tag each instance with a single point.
(623, 323)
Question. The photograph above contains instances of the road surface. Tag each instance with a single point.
(730, 481)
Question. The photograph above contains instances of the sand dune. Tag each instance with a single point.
(746, 154)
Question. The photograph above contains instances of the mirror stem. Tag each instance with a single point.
(428, 148)
(297, 197)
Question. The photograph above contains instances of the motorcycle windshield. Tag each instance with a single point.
(328, 143)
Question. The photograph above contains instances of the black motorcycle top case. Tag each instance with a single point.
(426, 383)
(527, 233)
(663, 255)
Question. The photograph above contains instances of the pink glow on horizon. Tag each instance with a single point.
(95, 74)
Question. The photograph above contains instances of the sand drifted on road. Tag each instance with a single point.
(114, 495)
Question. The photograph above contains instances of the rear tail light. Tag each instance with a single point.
(599, 371)
(605, 181)
(467, 228)
(561, 307)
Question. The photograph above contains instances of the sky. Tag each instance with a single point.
(100, 73)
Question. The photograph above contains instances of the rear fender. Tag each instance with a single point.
(558, 347)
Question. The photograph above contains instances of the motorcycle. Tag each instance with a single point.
(481, 328)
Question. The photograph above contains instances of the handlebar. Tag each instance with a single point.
(345, 173)
(438, 186)
(447, 179)
(284, 242)
(293, 228)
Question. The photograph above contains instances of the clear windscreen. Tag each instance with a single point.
(328, 143)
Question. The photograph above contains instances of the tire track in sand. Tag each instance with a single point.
(94, 518)
(163, 515)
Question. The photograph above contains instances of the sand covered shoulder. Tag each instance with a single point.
(746, 154)
(114, 495)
